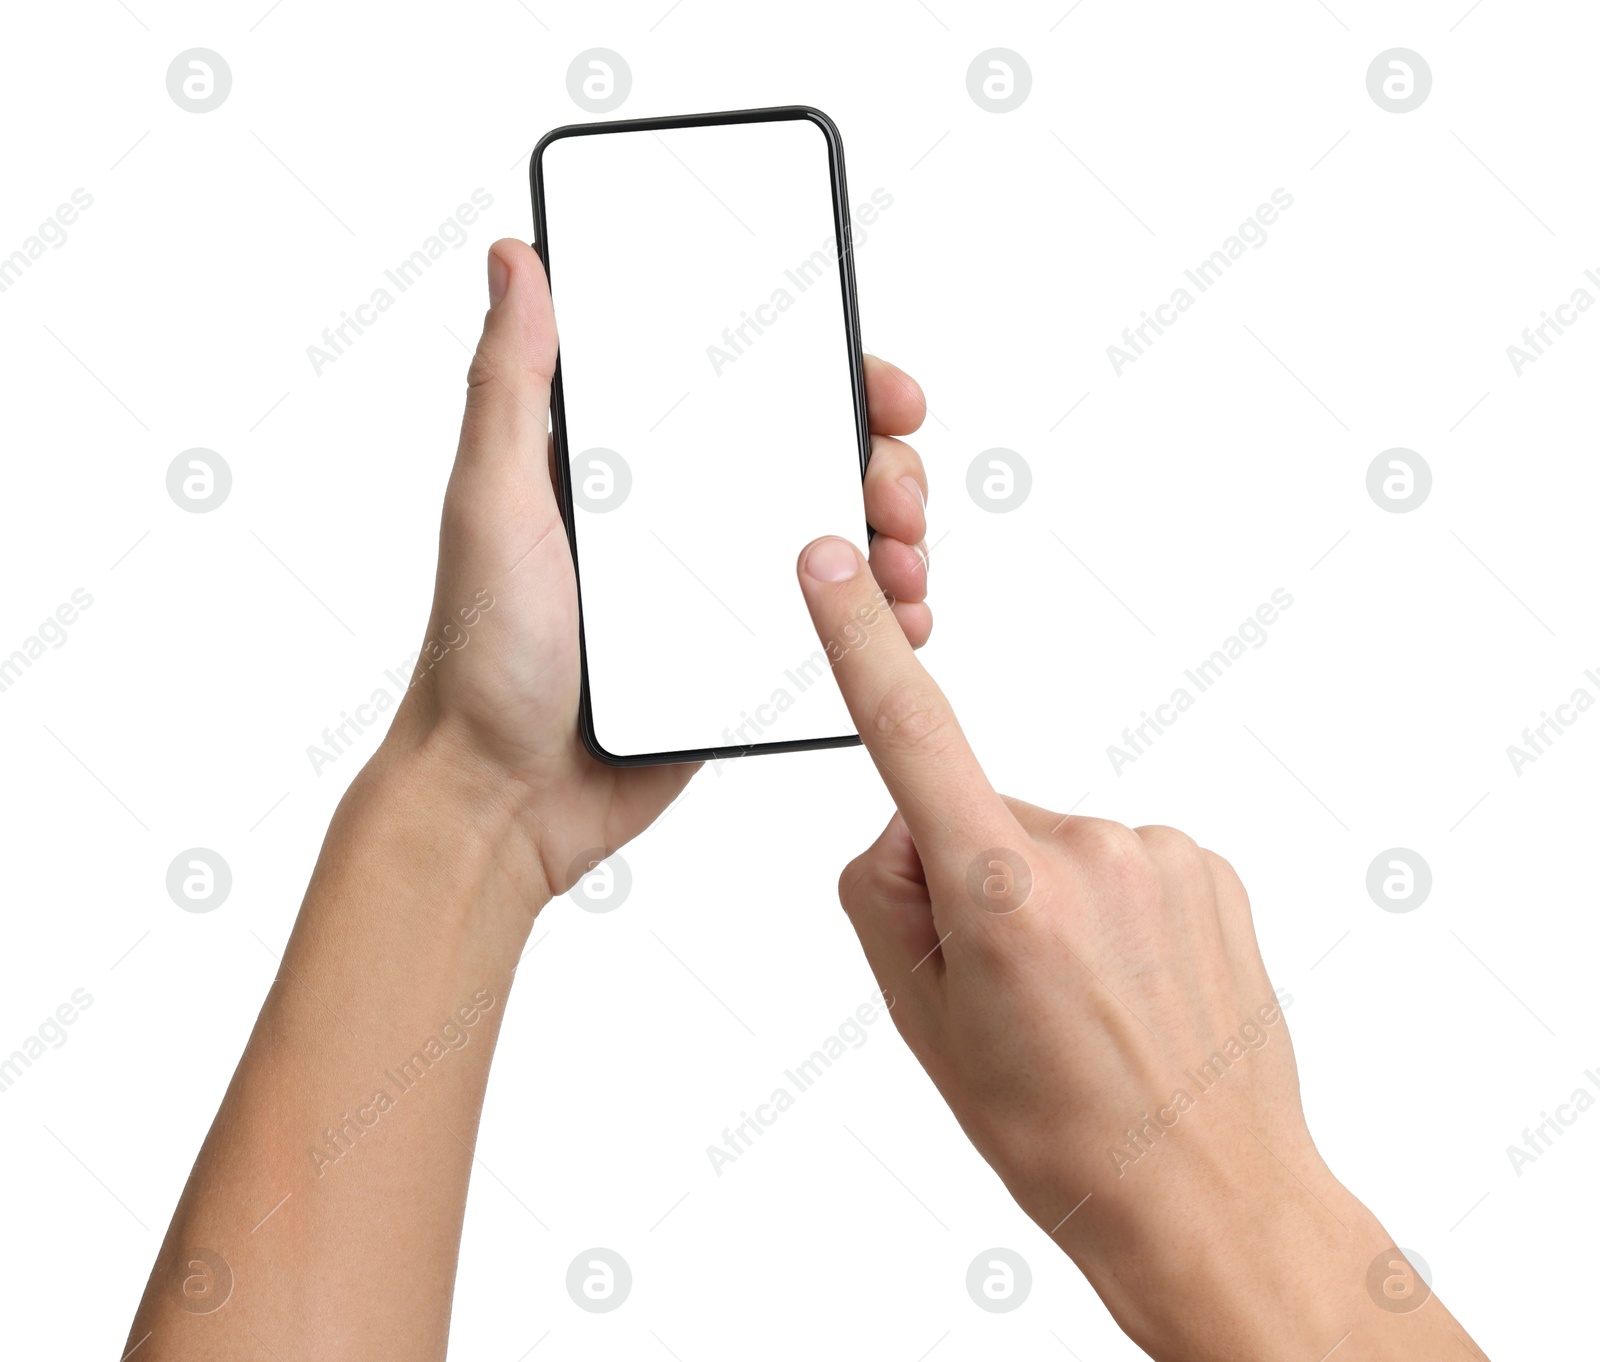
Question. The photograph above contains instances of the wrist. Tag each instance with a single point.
(452, 803)
(1255, 1287)
(1256, 1267)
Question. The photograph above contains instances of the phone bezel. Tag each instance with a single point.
(847, 283)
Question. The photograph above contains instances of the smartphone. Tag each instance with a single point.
(709, 418)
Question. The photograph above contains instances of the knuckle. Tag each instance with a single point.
(1114, 852)
(1225, 879)
(1101, 839)
(858, 628)
(913, 718)
(482, 372)
(1169, 844)
(853, 882)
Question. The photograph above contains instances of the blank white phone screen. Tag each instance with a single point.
(710, 421)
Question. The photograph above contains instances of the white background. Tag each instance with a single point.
(1229, 461)
(660, 242)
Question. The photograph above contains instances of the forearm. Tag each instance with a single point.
(333, 1181)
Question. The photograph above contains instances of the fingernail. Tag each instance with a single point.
(499, 279)
(831, 560)
(921, 550)
(915, 488)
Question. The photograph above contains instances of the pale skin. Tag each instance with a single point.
(1057, 997)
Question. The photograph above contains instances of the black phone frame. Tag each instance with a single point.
(847, 283)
